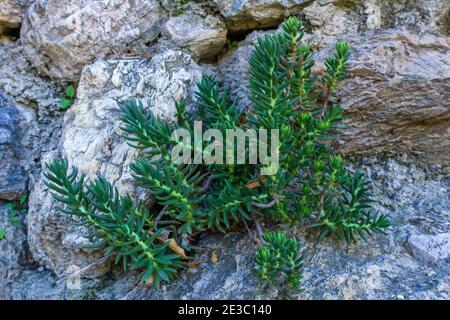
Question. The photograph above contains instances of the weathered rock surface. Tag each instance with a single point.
(61, 40)
(397, 92)
(10, 14)
(335, 17)
(12, 252)
(91, 141)
(255, 14)
(36, 123)
(203, 36)
(13, 178)
(418, 15)
(430, 248)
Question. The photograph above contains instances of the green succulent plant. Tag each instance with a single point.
(312, 187)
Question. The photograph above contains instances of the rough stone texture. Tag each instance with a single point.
(333, 17)
(419, 15)
(11, 252)
(430, 248)
(203, 36)
(91, 141)
(32, 284)
(397, 92)
(337, 17)
(10, 14)
(35, 108)
(246, 15)
(61, 40)
(12, 176)
(398, 96)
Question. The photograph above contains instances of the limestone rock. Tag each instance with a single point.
(91, 141)
(430, 248)
(13, 178)
(419, 15)
(60, 40)
(398, 96)
(203, 36)
(10, 14)
(335, 17)
(35, 101)
(12, 252)
(254, 14)
(397, 92)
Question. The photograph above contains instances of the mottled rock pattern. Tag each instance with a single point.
(35, 103)
(337, 17)
(13, 178)
(418, 15)
(12, 252)
(326, 17)
(397, 92)
(61, 40)
(203, 36)
(10, 14)
(430, 248)
(243, 15)
(91, 141)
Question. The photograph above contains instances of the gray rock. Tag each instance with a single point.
(419, 15)
(430, 248)
(335, 17)
(203, 36)
(13, 179)
(36, 109)
(340, 17)
(397, 91)
(32, 284)
(60, 40)
(246, 15)
(91, 140)
(12, 252)
(10, 14)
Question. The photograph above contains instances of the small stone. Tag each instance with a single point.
(430, 248)
(242, 15)
(60, 40)
(203, 37)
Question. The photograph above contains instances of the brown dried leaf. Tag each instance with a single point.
(214, 256)
(253, 184)
(193, 264)
(176, 248)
